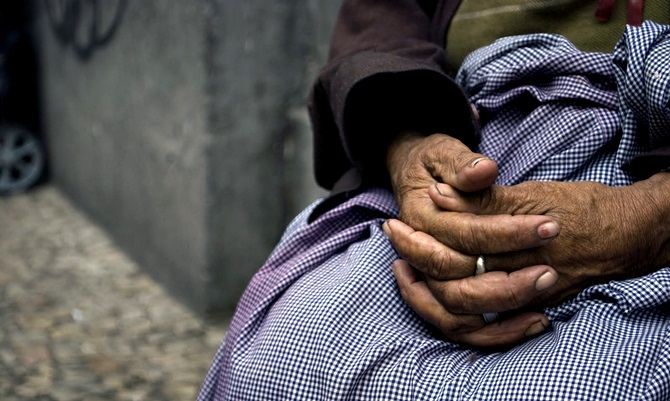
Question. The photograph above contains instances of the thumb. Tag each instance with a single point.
(468, 172)
(453, 163)
(488, 201)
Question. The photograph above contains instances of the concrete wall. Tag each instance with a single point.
(180, 127)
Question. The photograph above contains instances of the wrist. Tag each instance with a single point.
(399, 150)
(645, 212)
(659, 191)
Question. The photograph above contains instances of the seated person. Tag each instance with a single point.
(324, 317)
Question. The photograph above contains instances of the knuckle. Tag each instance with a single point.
(405, 292)
(446, 325)
(470, 239)
(412, 215)
(486, 200)
(459, 299)
(512, 299)
(519, 235)
(434, 264)
(455, 327)
(463, 159)
(437, 264)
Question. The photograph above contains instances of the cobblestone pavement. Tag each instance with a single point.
(79, 321)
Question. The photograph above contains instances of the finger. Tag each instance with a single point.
(417, 209)
(504, 232)
(456, 165)
(481, 173)
(506, 333)
(513, 261)
(475, 234)
(441, 262)
(493, 291)
(418, 296)
(471, 230)
(528, 198)
(426, 253)
(467, 234)
(465, 329)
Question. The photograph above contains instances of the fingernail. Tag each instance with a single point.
(393, 266)
(445, 190)
(548, 230)
(474, 163)
(387, 228)
(535, 329)
(546, 281)
(437, 187)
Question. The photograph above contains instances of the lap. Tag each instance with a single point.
(332, 325)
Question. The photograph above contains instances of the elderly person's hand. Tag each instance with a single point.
(607, 233)
(415, 164)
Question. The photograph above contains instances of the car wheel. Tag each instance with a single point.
(22, 159)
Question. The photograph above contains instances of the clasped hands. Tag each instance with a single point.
(543, 241)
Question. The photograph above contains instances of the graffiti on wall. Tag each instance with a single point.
(85, 25)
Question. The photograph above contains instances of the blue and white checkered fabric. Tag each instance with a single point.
(323, 319)
(551, 112)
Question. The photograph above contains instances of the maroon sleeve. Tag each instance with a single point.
(385, 74)
(650, 163)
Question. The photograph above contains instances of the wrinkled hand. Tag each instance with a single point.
(415, 164)
(480, 293)
(607, 233)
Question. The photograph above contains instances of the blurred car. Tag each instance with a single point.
(22, 152)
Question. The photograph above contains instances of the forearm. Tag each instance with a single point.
(385, 74)
(655, 204)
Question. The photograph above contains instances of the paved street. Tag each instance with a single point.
(80, 321)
